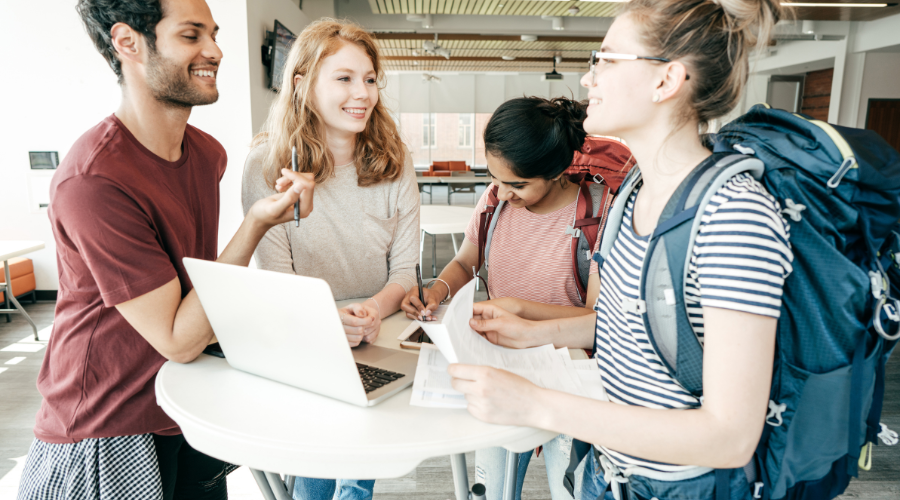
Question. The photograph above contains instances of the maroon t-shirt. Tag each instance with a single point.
(123, 219)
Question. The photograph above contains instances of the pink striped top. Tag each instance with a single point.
(531, 255)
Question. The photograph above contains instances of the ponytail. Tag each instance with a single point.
(537, 137)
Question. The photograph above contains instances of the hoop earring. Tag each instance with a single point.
(656, 97)
(562, 182)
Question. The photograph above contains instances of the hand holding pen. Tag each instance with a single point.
(421, 303)
(298, 191)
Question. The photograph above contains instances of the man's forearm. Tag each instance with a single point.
(191, 331)
(240, 249)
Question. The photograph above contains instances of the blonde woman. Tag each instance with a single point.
(362, 236)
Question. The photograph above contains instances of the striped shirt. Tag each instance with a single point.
(531, 254)
(740, 260)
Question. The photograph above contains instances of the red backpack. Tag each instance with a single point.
(599, 168)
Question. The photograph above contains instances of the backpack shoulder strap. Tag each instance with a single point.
(666, 264)
(616, 213)
(592, 208)
(487, 223)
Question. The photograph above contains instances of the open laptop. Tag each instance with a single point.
(287, 328)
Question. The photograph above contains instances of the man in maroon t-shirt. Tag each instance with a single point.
(137, 193)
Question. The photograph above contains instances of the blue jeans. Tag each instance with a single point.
(307, 488)
(490, 468)
(644, 488)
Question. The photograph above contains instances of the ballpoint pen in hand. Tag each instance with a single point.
(297, 203)
(419, 283)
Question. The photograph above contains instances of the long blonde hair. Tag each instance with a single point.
(294, 121)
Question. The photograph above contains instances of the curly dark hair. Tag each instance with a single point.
(99, 16)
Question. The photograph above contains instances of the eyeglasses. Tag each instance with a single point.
(597, 56)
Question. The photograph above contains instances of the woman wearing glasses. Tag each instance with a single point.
(665, 69)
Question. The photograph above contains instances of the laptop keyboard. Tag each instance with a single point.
(375, 378)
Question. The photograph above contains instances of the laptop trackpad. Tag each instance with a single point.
(371, 354)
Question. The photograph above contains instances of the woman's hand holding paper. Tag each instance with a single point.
(496, 396)
(504, 328)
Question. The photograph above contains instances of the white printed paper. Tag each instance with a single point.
(458, 343)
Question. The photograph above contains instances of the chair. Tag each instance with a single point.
(22, 282)
(460, 168)
(438, 169)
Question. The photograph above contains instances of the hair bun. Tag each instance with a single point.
(755, 18)
(570, 115)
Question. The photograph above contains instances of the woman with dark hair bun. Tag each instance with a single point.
(666, 68)
(530, 142)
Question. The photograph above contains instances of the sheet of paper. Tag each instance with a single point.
(442, 309)
(431, 387)
(544, 366)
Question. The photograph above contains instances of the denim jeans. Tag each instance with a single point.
(644, 488)
(490, 468)
(307, 488)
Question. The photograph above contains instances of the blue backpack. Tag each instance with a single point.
(840, 191)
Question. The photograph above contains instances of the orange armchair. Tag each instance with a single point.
(21, 277)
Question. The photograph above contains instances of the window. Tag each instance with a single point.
(429, 126)
(465, 130)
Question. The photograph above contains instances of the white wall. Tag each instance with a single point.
(55, 87)
(261, 16)
(228, 120)
(48, 105)
(881, 80)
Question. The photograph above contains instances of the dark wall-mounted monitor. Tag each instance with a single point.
(275, 52)
(43, 160)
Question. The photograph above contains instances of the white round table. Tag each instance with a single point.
(436, 219)
(265, 425)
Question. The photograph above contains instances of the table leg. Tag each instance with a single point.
(455, 246)
(460, 476)
(509, 482)
(11, 296)
(263, 484)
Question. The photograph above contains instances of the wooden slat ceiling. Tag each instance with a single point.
(484, 53)
(493, 7)
(598, 9)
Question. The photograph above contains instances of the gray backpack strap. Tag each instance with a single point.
(490, 233)
(667, 262)
(616, 213)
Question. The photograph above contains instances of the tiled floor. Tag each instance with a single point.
(431, 480)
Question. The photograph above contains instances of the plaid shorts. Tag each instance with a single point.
(95, 469)
(92, 469)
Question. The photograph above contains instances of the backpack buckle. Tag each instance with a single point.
(634, 306)
(598, 179)
(888, 436)
(757, 489)
(575, 232)
(877, 283)
(891, 310)
(775, 411)
(793, 210)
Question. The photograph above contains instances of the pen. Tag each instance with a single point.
(297, 203)
(419, 280)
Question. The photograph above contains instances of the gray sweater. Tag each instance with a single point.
(358, 239)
